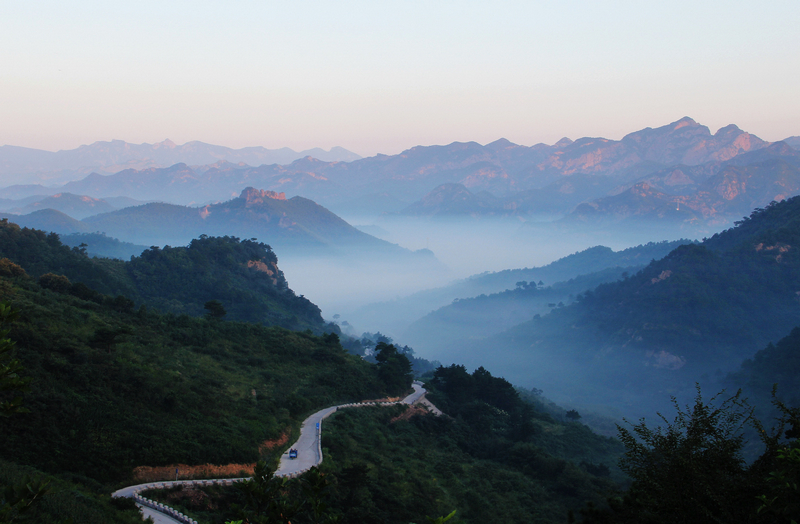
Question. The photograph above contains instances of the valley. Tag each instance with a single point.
(195, 315)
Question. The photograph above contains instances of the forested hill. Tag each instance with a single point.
(699, 311)
(120, 396)
(113, 389)
(242, 275)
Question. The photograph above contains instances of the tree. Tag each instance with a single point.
(573, 415)
(394, 368)
(106, 337)
(689, 470)
(18, 498)
(214, 309)
(314, 485)
(781, 500)
(53, 282)
(10, 269)
(266, 499)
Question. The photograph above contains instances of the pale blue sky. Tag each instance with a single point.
(387, 75)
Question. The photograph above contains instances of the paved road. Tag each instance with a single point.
(309, 453)
(157, 516)
(308, 445)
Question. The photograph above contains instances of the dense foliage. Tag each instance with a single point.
(29, 496)
(691, 469)
(115, 389)
(242, 274)
(493, 457)
(394, 368)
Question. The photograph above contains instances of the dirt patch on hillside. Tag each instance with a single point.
(407, 414)
(143, 474)
(269, 445)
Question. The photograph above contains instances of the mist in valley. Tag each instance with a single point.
(458, 311)
(472, 311)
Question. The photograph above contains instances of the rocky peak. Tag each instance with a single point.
(254, 196)
(564, 142)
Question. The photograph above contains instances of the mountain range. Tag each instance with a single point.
(712, 176)
(76, 206)
(294, 226)
(22, 163)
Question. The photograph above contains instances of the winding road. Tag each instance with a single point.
(309, 454)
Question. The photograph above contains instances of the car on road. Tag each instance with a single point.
(292, 453)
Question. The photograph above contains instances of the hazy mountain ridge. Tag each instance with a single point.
(296, 224)
(485, 315)
(395, 316)
(501, 168)
(702, 308)
(100, 245)
(76, 206)
(684, 197)
(116, 155)
(49, 220)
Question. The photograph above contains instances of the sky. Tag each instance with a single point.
(380, 77)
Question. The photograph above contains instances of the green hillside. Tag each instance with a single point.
(112, 390)
(493, 457)
(115, 390)
(241, 274)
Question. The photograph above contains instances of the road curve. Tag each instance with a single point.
(309, 454)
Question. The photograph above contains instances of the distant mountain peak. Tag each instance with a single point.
(307, 160)
(254, 196)
(166, 144)
(564, 142)
(683, 122)
(780, 148)
(501, 143)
